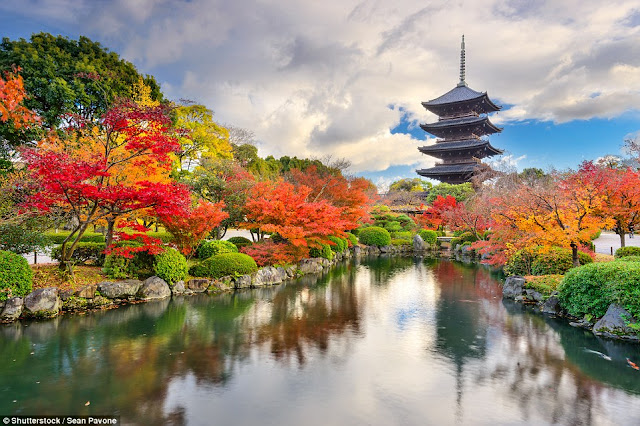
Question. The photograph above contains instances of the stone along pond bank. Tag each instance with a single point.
(50, 302)
(617, 323)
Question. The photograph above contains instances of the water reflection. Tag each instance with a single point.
(390, 340)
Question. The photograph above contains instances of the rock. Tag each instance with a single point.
(243, 281)
(291, 271)
(534, 295)
(418, 243)
(615, 323)
(310, 266)
(386, 249)
(198, 285)
(154, 288)
(119, 289)
(12, 309)
(75, 303)
(179, 288)
(551, 305)
(99, 302)
(357, 251)
(65, 294)
(43, 303)
(223, 284)
(87, 292)
(587, 325)
(513, 287)
(268, 276)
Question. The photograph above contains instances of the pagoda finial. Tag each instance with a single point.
(462, 67)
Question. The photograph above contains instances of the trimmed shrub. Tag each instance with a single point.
(353, 240)
(538, 261)
(87, 237)
(545, 284)
(429, 237)
(16, 276)
(240, 242)
(629, 259)
(171, 266)
(340, 244)
(213, 247)
(400, 242)
(590, 289)
(323, 251)
(83, 253)
(375, 236)
(116, 267)
(627, 251)
(164, 236)
(393, 226)
(224, 264)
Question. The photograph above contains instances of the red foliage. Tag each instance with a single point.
(433, 216)
(192, 226)
(282, 208)
(269, 253)
(146, 243)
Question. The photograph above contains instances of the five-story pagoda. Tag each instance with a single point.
(462, 124)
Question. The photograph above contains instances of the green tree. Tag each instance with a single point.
(460, 192)
(410, 185)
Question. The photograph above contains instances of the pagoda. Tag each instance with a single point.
(461, 130)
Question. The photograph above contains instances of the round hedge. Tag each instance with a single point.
(16, 276)
(629, 259)
(225, 264)
(211, 248)
(353, 240)
(428, 236)
(340, 244)
(538, 261)
(323, 251)
(171, 266)
(375, 236)
(240, 241)
(590, 289)
(627, 251)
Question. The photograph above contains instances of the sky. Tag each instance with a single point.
(346, 78)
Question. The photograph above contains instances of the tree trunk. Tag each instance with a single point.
(621, 233)
(109, 237)
(574, 251)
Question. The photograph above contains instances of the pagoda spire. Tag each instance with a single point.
(462, 65)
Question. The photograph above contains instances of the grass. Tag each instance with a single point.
(603, 258)
(544, 284)
(48, 275)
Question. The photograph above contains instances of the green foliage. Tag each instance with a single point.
(224, 264)
(401, 242)
(163, 236)
(539, 261)
(323, 251)
(213, 247)
(83, 253)
(629, 259)
(340, 244)
(20, 239)
(596, 235)
(171, 266)
(375, 236)
(460, 192)
(410, 185)
(240, 242)
(88, 237)
(590, 289)
(430, 237)
(627, 251)
(462, 238)
(353, 240)
(116, 267)
(544, 284)
(16, 276)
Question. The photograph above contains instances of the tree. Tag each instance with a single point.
(89, 172)
(192, 226)
(460, 192)
(202, 137)
(410, 185)
(68, 76)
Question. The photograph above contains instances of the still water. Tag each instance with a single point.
(386, 341)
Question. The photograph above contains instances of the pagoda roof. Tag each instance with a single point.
(448, 169)
(439, 128)
(466, 144)
(461, 94)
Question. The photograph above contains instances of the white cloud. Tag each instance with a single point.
(311, 78)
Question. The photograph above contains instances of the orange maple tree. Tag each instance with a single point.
(12, 94)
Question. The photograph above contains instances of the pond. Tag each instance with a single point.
(394, 340)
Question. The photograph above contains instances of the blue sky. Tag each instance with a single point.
(346, 78)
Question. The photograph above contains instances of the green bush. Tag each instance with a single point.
(430, 237)
(629, 259)
(164, 236)
(116, 266)
(213, 247)
(323, 251)
(240, 242)
(595, 235)
(403, 234)
(171, 266)
(83, 253)
(375, 236)
(590, 289)
(87, 237)
(16, 276)
(340, 244)
(400, 242)
(538, 261)
(21, 238)
(393, 226)
(557, 260)
(224, 264)
(353, 240)
(627, 251)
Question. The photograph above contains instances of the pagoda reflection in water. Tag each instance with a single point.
(461, 128)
